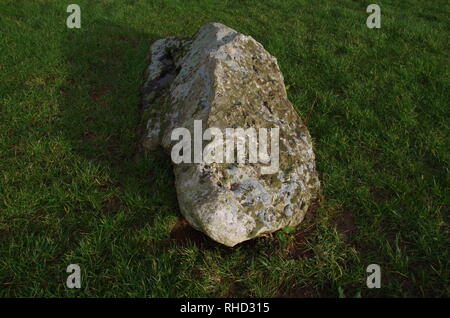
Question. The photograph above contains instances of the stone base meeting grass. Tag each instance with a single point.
(73, 191)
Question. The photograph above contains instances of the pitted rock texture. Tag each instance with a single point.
(228, 80)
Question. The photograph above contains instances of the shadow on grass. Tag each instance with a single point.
(100, 116)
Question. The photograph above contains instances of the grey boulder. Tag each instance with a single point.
(228, 80)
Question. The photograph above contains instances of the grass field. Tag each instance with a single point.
(72, 192)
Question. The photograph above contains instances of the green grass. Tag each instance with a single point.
(72, 191)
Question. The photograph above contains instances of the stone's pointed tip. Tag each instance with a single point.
(215, 24)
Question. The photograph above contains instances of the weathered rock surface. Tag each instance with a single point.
(228, 80)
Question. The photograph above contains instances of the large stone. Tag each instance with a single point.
(228, 80)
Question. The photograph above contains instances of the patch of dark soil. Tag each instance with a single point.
(183, 233)
(88, 136)
(5, 233)
(298, 247)
(381, 195)
(235, 289)
(344, 222)
(98, 91)
(112, 205)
